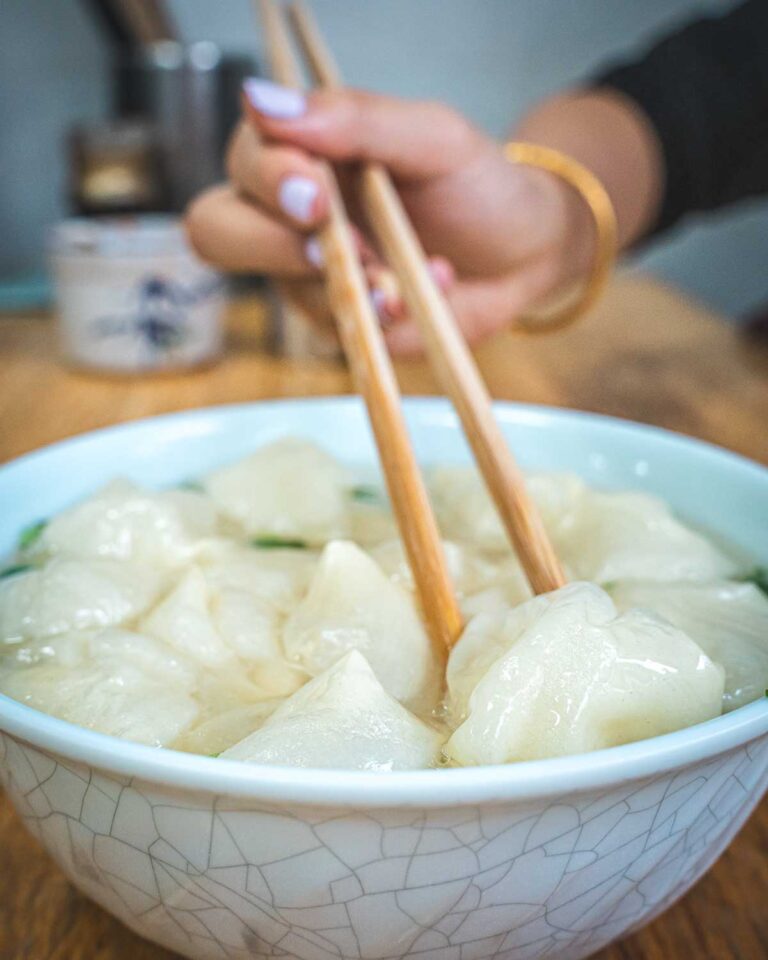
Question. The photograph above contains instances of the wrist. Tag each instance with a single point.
(610, 135)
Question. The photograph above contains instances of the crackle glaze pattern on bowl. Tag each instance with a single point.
(545, 859)
(216, 877)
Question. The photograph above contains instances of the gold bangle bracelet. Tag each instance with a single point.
(596, 198)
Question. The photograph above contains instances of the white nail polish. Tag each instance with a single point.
(297, 196)
(274, 100)
(379, 301)
(313, 251)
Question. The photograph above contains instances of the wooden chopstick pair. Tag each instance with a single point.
(447, 351)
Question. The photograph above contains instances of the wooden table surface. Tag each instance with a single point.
(645, 354)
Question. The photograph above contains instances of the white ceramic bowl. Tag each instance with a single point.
(551, 858)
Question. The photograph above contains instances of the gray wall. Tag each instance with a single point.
(52, 71)
(490, 58)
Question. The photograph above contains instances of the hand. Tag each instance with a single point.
(500, 237)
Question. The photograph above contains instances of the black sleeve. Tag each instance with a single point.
(705, 90)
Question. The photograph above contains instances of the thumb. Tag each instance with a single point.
(413, 139)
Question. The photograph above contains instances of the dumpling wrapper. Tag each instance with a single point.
(65, 649)
(618, 536)
(565, 674)
(510, 590)
(289, 489)
(123, 522)
(229, 630)
(237, 685)
(466, 512)
(342, 720)
(69, 594)
(215, 625)
(278, 576)
(469, 571)
(481, 583)
(125, 685)
(352, 605)
(183, 620)
(729, 621)
(599, 536)
(226, 728)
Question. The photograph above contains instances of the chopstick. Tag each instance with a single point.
(374, 377)
(282, 60)
(298, 335)
(447, 350)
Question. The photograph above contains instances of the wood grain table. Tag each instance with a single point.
(645, 354)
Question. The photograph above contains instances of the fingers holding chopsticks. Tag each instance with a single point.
(500, 236)
(414, 139)
(265, 219)
(282, 179)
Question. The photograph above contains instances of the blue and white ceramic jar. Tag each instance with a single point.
(132, 297)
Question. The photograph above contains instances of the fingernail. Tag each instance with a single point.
(379, 301)
(314, 253)
(381, 304)
(297, 197)
(274, 100)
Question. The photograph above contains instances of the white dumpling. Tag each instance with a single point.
(559, 497)
(484, 640)
(469, 572)
(464, 509)
(183, 620)
(481, 583)
(466, 512)
(343, 719)
(729, 621)
(565, 674)
(225, 728)
(215, 625)
(598, 536)
(124, 522)
(289, 489)
(238, 684)
(352, 605)
(618, 536)
(125, 685)
(278, 576)
(70, 594)
(249, 625)
(510, 590)
(66, 649)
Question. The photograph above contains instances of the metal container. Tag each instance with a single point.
(191, 96)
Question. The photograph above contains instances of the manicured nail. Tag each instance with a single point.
(297, 197)
(314, 253)
(274, 100)
(379, 301)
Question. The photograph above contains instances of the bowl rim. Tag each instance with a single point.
(526, 780)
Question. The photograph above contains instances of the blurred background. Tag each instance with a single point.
(68, 67)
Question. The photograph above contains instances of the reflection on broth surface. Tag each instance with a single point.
(265, 612)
